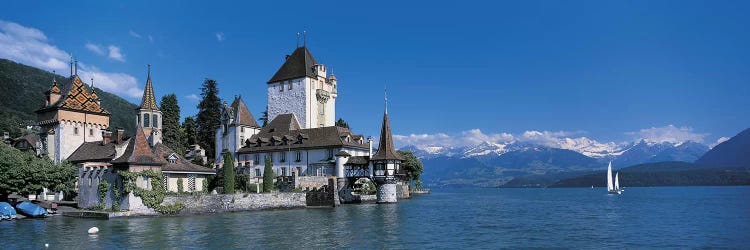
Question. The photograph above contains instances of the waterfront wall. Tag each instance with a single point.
(236, 202)
(402, 190)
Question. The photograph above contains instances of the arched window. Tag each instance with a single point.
(156, 121)
(145, 120)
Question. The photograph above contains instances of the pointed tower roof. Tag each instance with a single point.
(242, 113)
(54, 88)
(93, 91)
(139, 152)
(299, 64)
(148, 101)
(386, 151)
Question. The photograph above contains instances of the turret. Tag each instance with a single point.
(53, 94)
(387, 163)
(149, 115)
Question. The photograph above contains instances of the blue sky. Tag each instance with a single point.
(613, 71)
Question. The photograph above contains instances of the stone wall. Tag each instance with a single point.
(326, 195)
(310, 182)
(207, 203)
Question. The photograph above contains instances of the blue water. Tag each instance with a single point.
(664, 217)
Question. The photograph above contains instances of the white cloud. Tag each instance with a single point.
(134, 34)
(669, 133)
(192, 97)
(719, 141)
(220, 36)
(115, 54)
(97, 49)
(30, 46)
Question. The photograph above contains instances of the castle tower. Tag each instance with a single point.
(149, 115)
(386, 164)
(71, 116)
(303, 87)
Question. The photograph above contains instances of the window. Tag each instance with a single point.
(75, 130)
(242, 139)
(283, 171)
(257, 172)
(282, 156)
(330, 153)
(281, 86)
(256, 161)
(290, 85)
(145, 120)
(172, 158)
(242, 129)
(146, 182)
(299, 156)
(191, 182)
(91, 132)
(156, 121)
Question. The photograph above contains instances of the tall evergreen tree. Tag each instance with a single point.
(341, 123)
(171, 123)
(268, 176)
(189, 135)
(209, 117)
(264, 117)
(228, 173)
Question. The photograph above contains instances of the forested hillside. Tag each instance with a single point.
(22, 92)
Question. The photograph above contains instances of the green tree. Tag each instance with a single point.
(341, 123)
(411, 164)
(27, 174)
(189, 134)
(264, 117)
(268, 176)
(228, 173)
(209, 117)
(171, 123)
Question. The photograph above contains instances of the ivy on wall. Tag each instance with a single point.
(151, 198)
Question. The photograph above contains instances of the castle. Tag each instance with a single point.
(301, 138)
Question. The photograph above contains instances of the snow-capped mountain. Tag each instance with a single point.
(625, 154)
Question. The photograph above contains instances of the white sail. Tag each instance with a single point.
(609, 177)
(617, 181)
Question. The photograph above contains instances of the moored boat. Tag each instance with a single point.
(30, 209)
(7, 212)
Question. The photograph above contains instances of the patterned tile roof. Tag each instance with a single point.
(76, 96)
(148, 101)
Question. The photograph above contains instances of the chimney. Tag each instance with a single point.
(106, 137)
(120, 132)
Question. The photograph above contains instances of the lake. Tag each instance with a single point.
(659, 217)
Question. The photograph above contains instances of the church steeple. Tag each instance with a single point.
(149, 101)
(149, 116)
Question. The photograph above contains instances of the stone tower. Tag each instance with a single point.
(303, 87)
(71, 115)
(149, 115)
(386, 164)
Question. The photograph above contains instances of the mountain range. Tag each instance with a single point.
(492, 163)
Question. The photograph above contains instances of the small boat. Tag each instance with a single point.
(613, 188)
(30, 209)
(7, 212)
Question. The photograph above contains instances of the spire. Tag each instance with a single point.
(385, 91)
(93, 91)
(148, 101)
(71, 65)
(54, 88)
(386, 150)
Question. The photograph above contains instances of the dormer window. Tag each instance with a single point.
(172, 158)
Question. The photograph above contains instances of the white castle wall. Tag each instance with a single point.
(67, 140)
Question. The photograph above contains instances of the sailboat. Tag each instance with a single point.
(613, 188)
